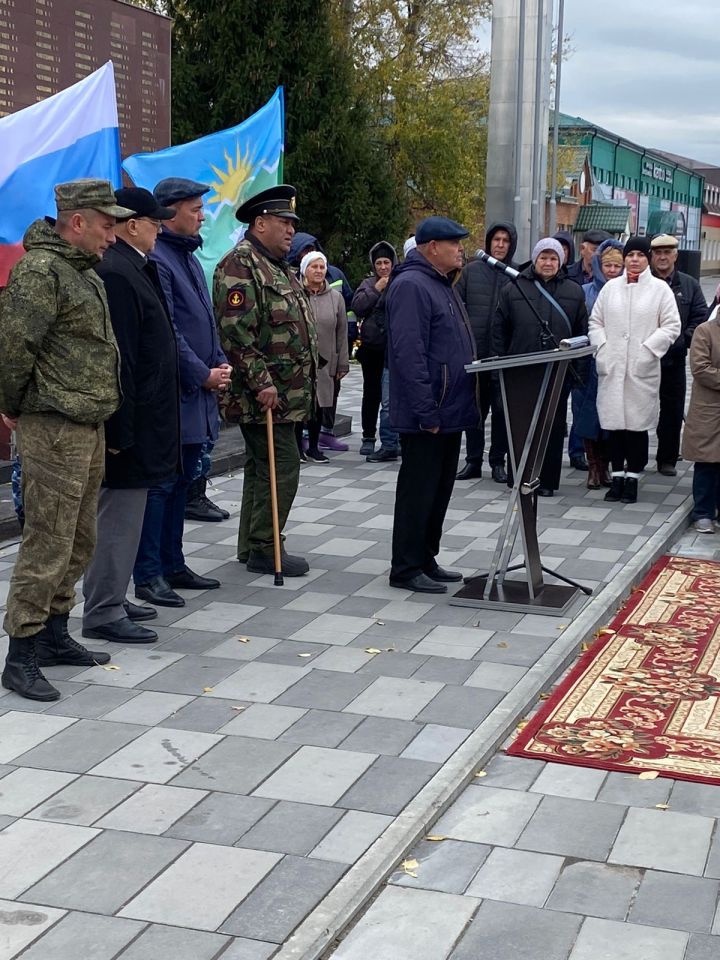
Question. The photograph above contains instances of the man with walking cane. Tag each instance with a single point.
(267, 333)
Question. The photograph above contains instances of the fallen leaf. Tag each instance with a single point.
(208, 689)
(380, 623)
(435, 839)
(372, 650)
(562, 626)
(544, 696)
(662, 806)
(584, 647)
(304, 654)
(410, 867)
(238, 709)
(243, 639)
(502, 644)
(389, 649)
(521, 725)
(111, 667)
(648, 775)
(481, 773)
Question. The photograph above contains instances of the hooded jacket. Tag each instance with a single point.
(479, 288)
(188, 300)
(368, 303)
(335, 277)
(567, 238)
(591, 290)
(429, 342)
(57, 344)
(366, 296)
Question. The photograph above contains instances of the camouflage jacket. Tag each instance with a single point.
(267, 333)
(57, 344)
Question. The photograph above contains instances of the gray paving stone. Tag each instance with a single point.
(564, 780)
(382, 735)
(291, 828)
(153, 809)
(82, 746)
(521, 650)
(202, 887)
(321, 728)
(325, 690)
(460, 707)
(288, 651)
(595, 889)
(676, 902)
(663, 840)
(350, 838)
(190, 675)
(316, 775)
(573, 828)
(516, 876)
(512, 773)
(85, 800)
(389, 785)
(158, 942)
(610, 940)
(282, 900)
(509, 931)
(156, 756)
(259, 682)
(135, 665)
(92, 702)
(220, 818)
(262, 720)
(393, 664)
(447, 867)
(242, 949)
(445, 670)
(712, 867)
(106, 873)
(496, 676)
(700, 798)
(51, 843)
(204, 714)
(394, 697)
(20, 924)
(84, 935)
(237, 765)
(435, 743)
(488, 815)
(20, 732)
(632, 792)
(23, 789)
(702, 947)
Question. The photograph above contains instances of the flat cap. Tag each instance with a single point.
(439, 228)
(172, 189)
(278, 201)
(664, 240)
(595, 236)
(143, 204)
(89, 194)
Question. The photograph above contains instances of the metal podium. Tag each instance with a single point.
(531, 385)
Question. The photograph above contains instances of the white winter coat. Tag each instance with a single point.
(633, 326)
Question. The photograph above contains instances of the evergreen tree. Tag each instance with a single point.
(228, 58)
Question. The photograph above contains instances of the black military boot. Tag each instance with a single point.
(614, 494)
(199, 507)
(22, 673)
(630, 490)
(55, 646)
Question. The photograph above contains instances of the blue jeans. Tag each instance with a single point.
(160, 552)
(389, 440)
(706, 491)
(576, 447)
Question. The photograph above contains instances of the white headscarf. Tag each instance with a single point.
(308, 259)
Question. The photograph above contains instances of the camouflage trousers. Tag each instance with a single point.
(62, 468)
(256, 532)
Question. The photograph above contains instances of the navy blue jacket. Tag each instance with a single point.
(188, 299)
(429, 343)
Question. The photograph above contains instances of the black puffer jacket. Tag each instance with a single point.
(516, 329)
(479, 288)
(692, 309)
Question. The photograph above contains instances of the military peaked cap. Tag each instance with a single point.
(278, 201)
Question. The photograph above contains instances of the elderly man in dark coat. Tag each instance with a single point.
(143, 436)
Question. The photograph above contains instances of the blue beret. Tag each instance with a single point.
(439, 228)
(172, 189)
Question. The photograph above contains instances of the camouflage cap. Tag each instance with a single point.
(89, 195)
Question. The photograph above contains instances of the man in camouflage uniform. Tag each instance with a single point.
(267, 333)
(59, 382)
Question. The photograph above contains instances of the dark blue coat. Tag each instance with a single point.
(429, 343)
(191, 311)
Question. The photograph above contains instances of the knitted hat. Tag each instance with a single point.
(641, 244)
(548, 243)
(611, 255)
(409, 245)
(308, 259)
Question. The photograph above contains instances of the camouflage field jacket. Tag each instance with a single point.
(267, 333)
(57, 347)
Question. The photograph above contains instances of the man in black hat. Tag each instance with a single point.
(143, 436)
(581, 271)
(267, 331)
(432, 398)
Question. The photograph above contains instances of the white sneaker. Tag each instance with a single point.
(704, 525)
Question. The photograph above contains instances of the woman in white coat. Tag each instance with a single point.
(634, 322)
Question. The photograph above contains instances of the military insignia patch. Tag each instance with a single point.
(236, 298)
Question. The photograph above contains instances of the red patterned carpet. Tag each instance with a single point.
(646, 696)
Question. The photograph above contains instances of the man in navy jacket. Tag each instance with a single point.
(432, 398)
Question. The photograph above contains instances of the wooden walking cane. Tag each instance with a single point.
(273, 499)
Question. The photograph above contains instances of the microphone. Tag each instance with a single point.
(498, 264)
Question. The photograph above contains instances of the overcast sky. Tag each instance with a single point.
(648, 70)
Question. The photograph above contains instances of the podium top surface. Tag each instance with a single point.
(529, 359)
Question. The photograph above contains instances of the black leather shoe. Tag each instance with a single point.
(158, 592)
(291, 566)
(498, 474)
(469, 472)
(440, 575)
(135, 612)
(187, 580)
(545, 492)
(54, 647)
(579, 463)
(383, 455)
(121, 631)
(22, 673)
(420, 583)
(667, 469)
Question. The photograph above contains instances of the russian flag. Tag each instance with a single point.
(70, 135)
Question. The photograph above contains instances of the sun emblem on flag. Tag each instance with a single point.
(230, 182)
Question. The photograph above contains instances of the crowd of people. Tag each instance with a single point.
(118, 362)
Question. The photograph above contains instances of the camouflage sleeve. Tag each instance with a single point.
(235, 298)
(28, 309)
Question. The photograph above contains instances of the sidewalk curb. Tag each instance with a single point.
(314, 937)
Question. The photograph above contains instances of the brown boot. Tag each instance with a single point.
(594, 465)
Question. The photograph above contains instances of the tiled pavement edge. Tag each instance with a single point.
(559, 862)
(254, 776)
